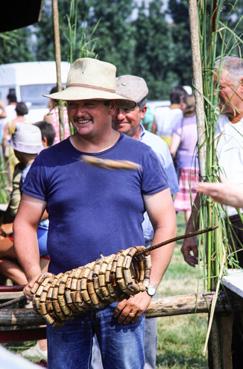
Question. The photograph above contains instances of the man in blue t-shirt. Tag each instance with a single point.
(93, 212)
(129, 120)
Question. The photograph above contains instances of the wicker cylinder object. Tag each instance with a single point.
(92, 286)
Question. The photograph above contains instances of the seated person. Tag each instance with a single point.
(27, 143)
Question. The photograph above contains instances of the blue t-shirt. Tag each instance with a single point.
(93, 211)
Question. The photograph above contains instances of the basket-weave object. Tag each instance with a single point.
(92, 286)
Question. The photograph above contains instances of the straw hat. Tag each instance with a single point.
(90, 79)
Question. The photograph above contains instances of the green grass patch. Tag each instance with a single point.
(181, 341)
(181, 338)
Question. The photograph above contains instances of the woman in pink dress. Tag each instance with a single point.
(184, 151)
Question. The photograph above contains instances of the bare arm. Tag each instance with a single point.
(25, 236)
(189, 247)
(174, 144)
(161, 211)
(224, 193)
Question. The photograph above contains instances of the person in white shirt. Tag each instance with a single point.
(229, 147)
(168, 117)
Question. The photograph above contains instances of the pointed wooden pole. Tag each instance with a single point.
(198, 82)
(57, 47)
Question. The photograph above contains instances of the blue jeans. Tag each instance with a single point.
(121, 346)
(150, 342)
(150, 346)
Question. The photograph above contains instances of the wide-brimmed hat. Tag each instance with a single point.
(132, 87)
(90, 79)
(27, 138)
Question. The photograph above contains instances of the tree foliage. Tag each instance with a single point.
(115, 32)
(182, 64)
(15, 46)
(154, 49)
(143, 38)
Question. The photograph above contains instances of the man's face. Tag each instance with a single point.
(128, 120)
(90, 117)
(230, 95)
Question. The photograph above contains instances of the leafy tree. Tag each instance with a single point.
(232, 17)
(44, 49)
(15, 46)
(115, 33)
(154, 44)
(154, 49)
(180, 29)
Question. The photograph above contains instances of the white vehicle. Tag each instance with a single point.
(31, 80)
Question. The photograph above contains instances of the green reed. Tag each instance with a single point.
(217, 40)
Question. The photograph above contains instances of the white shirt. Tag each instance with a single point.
(229, 148)
(161, 150)
(167, 119)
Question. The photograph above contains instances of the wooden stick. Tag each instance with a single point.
(198, 82)
(110, 164)
(178, 238)
(162, 307)
(57, 47)
(13, 301)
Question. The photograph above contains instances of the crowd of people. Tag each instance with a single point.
(69, 213)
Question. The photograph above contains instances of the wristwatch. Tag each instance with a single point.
(151, 290)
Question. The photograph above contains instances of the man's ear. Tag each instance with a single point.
(143, 111)
(45, 142)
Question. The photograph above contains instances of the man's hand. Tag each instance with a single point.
(128, 310)
(27, 289)
(224, 193)
(189, 251)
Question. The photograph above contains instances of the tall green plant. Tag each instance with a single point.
(81, 39)
(217, 40)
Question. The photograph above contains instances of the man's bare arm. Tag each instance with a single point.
(25, 235)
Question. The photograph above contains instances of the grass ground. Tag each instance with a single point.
(180, 338)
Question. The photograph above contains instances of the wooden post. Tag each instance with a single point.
(57, 47)
(214, 345)
(19, 318)
(197, 82)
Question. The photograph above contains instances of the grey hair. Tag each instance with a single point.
(141, 104)
(232, 64)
